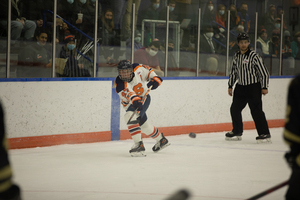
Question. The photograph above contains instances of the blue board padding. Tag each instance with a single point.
(115, 114)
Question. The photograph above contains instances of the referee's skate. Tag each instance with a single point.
(264, 138)
(233, 136)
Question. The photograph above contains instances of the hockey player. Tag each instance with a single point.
(252, 79)
(292, 138)
(132, 84)
(8, 190)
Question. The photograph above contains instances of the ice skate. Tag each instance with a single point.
(161, 144)
(264, 138)
(137, 150)
(233, 136)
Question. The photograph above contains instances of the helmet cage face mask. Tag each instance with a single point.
(125, 74)
(125, 70)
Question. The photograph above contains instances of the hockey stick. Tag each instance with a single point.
(268, 191)
(143, 100)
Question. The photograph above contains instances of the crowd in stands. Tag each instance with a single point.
(77, 17)
(269, 38)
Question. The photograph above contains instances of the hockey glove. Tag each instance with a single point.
(291, 160)
(137, 104)
(13, 193)
(155, 82)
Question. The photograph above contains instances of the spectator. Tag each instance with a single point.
(209, 14)
(85, 23)
(35, 12)
(288, 62)
(207, 44)
(277, 24)
(36, 53)
(67, 10)
(263, 43)
(172, 15)
(280, 11)
(269, 19)
(148, 56)
(243, 15)
(160, 32)
(92, 8)
(118, 7)
(137, 44)
(105, 4)
(72, 68)
(107, 35)
(128, 15)
(152, 12)
(61, 30)
(233, 44)
(221, 18)
(81, 6)
(275, 44)
(286, 45)
(172, 65)
(234, 18)
(208, 49)
(296, 46)
(19, 23)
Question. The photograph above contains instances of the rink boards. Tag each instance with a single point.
(44, 112)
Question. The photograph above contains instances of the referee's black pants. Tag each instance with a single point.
(250, 94)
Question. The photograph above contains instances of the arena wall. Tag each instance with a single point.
(43, 112)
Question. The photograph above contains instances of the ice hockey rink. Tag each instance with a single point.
(209, 167)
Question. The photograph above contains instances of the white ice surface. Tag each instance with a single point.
(209, 167)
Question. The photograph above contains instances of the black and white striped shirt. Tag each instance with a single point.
(247, 69)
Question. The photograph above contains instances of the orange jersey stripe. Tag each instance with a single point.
(130, 94)
(135, 133)
(149, 73)
(157, 80)
(155, 133)
(133, 126)
(136, 98)
(136, 68)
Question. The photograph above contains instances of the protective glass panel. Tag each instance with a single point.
(3, 39)
(30, 46)
(32, 36)
(75, 34)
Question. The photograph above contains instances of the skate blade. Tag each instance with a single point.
(264, 141)
(138, 154)
(235, 138)
(168, 144)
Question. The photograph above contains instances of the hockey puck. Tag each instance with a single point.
(192, 135)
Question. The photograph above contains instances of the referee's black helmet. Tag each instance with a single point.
(243, 36)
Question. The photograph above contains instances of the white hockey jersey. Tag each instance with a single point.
(128, 91)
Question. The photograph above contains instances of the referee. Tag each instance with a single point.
(252, 81)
